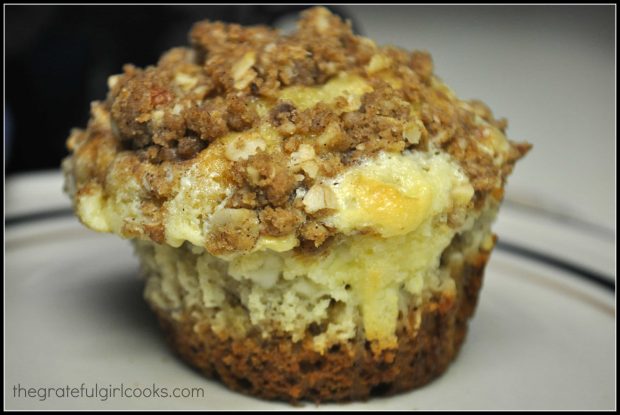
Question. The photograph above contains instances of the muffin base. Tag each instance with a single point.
(278, 368)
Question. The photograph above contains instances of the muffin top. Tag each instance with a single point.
(253, 139)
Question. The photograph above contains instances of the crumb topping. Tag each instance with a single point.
(270, 116)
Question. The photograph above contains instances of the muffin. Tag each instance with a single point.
(312, 212)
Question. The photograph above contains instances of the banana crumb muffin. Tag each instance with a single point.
(312, 211)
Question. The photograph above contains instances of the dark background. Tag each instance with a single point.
(58, 59)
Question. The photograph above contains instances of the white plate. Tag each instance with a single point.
(541, 338)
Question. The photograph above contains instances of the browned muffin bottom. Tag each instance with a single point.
(278, 368)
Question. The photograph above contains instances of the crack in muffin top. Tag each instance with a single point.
(230, 143)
